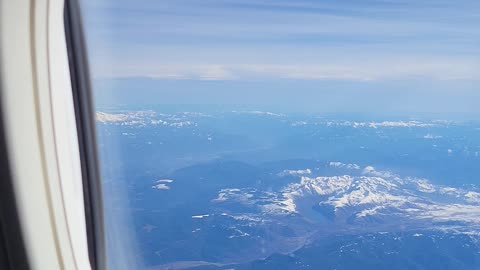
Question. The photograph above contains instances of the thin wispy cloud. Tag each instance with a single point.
(388, 70)
(370, 40)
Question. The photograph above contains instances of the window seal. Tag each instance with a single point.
(85, 121)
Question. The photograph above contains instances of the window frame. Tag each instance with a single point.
(86, 131)
(41, 131)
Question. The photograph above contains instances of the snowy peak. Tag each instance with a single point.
(372, 193)
(148, 118)
(364, 195)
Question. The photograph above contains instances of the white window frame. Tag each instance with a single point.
(41, 133)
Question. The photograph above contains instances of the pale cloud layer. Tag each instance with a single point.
(349, 55)
(263, 39)
(455, 70)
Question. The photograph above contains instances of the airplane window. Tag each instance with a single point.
(262, 134)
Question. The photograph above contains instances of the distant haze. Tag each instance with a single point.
(380, 56)
(296, 96)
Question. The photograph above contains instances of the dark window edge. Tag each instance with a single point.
(85, 121)
(13, 253)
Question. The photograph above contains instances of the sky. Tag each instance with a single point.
(337, 55)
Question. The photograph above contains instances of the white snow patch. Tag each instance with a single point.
(337, 164)
(295, 172)
(164, 181)
(299, 123)
(449, 191)
(200, 216)
(431, 136)
(424, 186)
(161, 186)
(472, 197)
(260, 113)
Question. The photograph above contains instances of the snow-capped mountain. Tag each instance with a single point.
(359, 196)
(148, 118)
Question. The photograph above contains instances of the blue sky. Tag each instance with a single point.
(426, 48)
